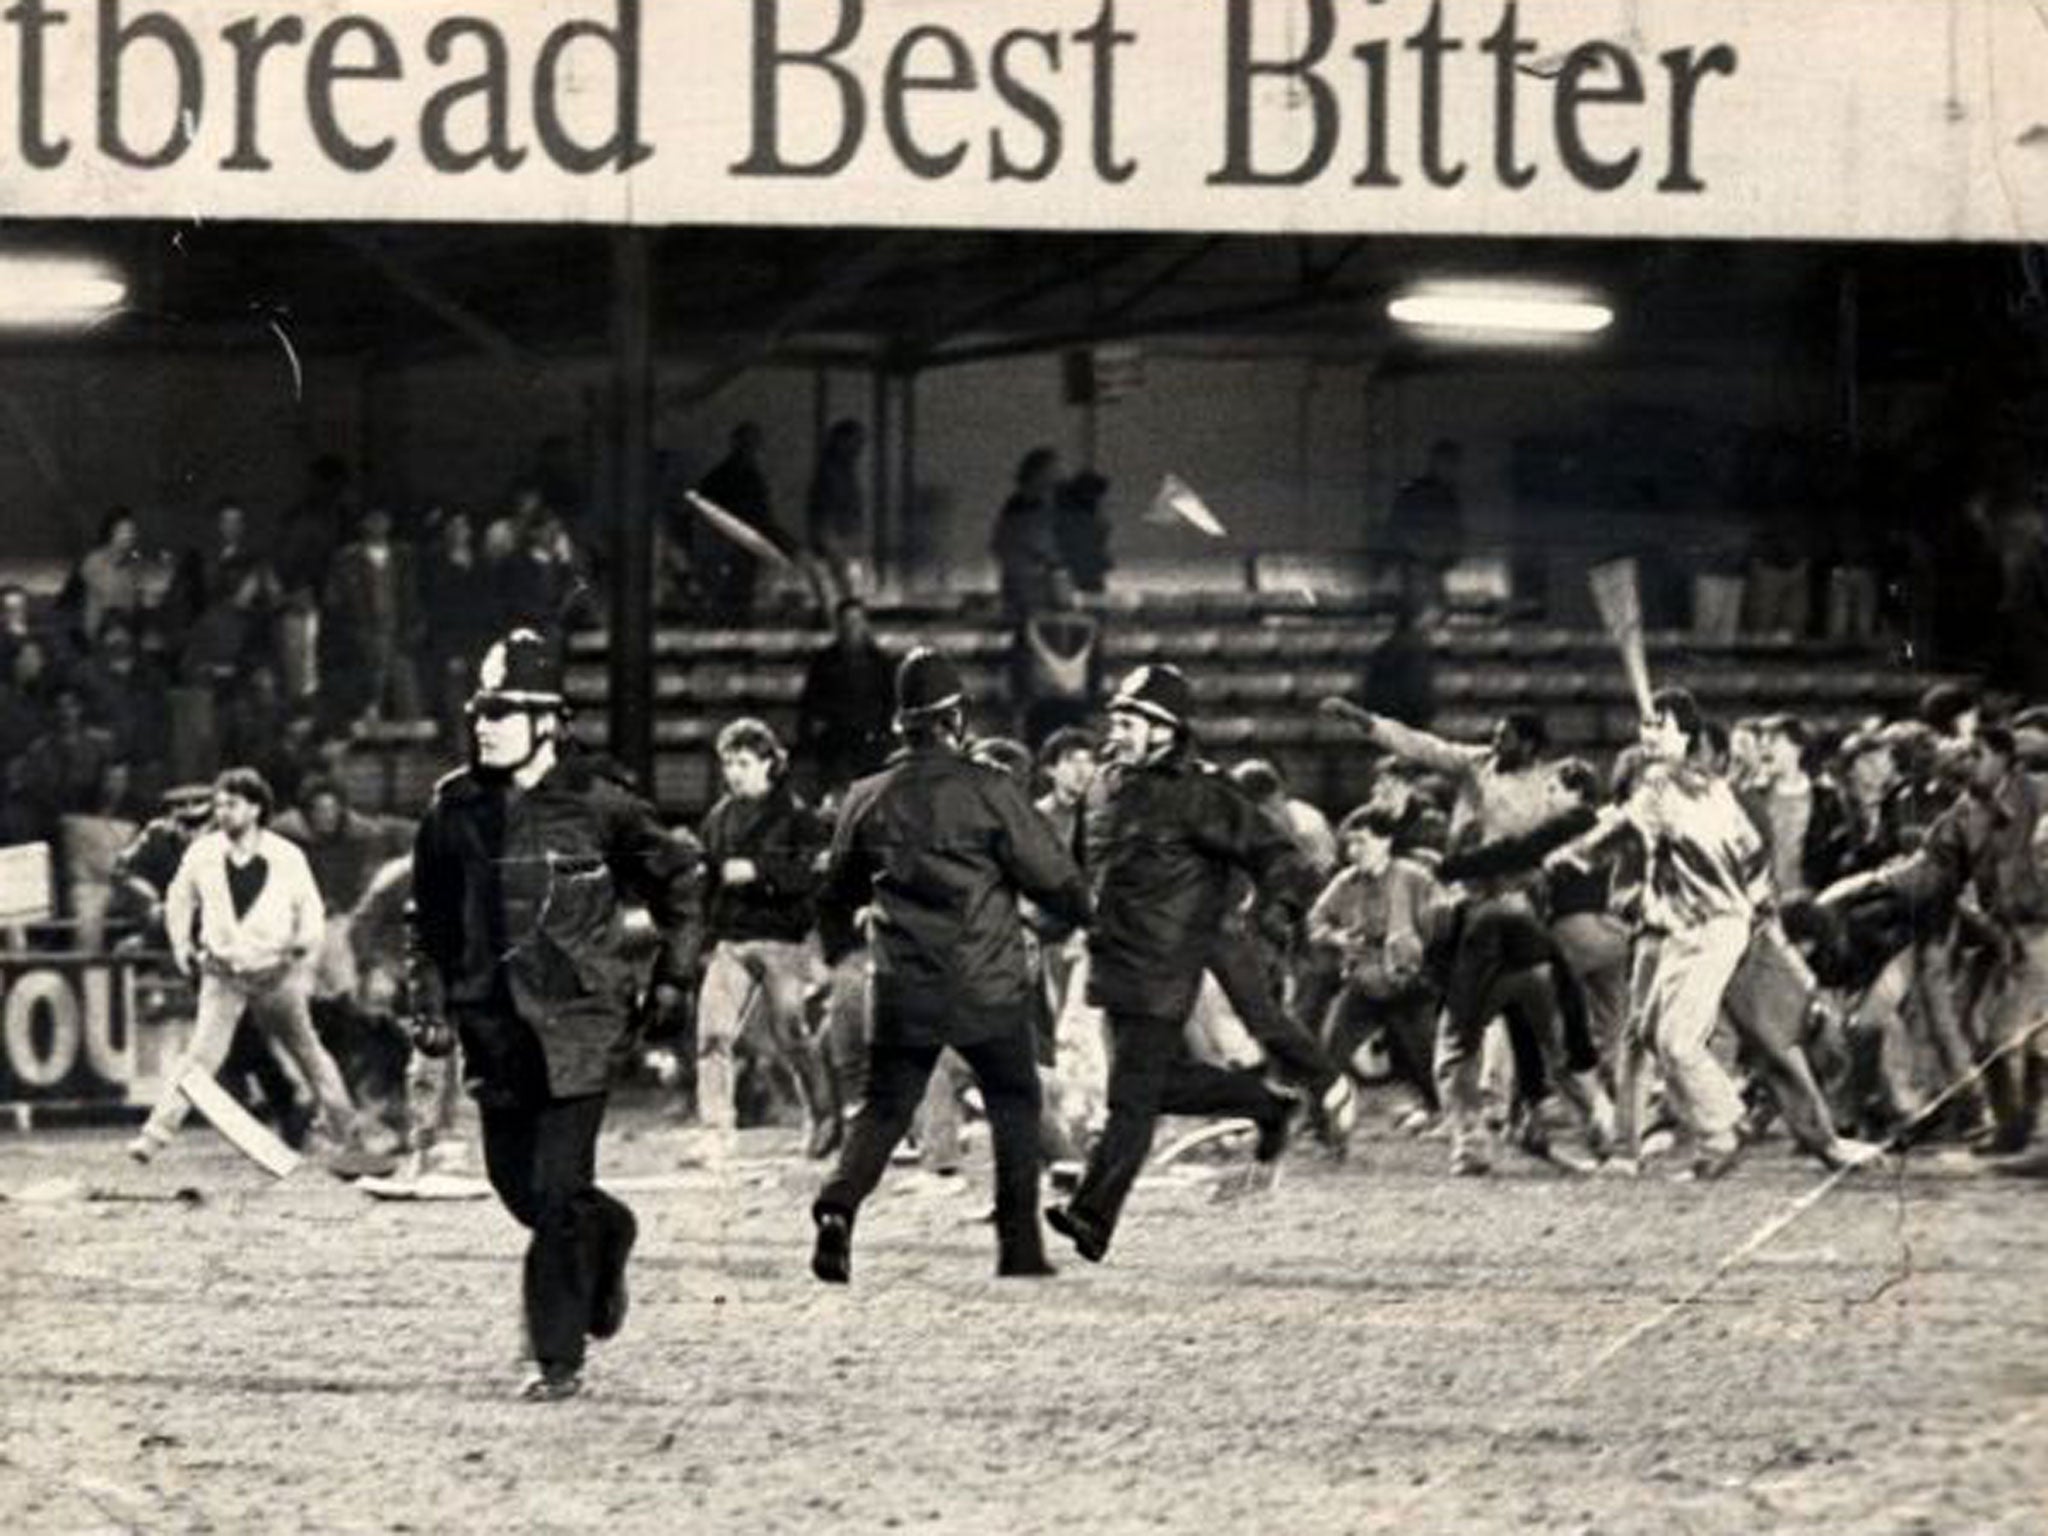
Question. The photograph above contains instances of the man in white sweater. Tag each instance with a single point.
(245, 918)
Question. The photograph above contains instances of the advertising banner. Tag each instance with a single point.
(1851, 119)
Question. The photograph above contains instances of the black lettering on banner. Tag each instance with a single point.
(1575, 91)
(1102, 38)
(1431, 46)
(116, 37)
(769, 60)
(1685, 74)
(1508, 47)
(251, 42)
(1243, 71)
(492, 82)
(1027, 104)
(624, 149)
(30, 18)
(325, 69)
(898, 82)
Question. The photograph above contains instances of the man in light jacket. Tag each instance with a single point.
(245, 918)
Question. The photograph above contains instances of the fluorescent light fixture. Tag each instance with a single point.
(1500, 311)
(57, 292)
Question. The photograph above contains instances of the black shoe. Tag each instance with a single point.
(1089, 1240)
(554, 1383)
(2003, 1141)
(832, 1255)
(608, 1312)
(1039, 1268)
(1276, 1128)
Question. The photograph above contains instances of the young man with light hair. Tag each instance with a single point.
(245, 919)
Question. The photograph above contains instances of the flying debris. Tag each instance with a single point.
(1176, 499)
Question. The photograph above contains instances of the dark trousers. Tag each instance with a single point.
(1150, 1074)
(542, 1161)
(1497, 938)
(1252, 991)
(1345, 1018)
(1006, 1067)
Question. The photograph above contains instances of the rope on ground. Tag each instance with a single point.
(1770, 1230)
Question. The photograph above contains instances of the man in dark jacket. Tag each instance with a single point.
(844, 712)
(1163, 835)
(942, 848)
(761, 852)
(520, 868)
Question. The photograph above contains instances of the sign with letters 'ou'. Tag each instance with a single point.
(67, 1031)
(1812, 119)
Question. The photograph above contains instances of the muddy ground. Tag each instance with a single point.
(1372, 1346)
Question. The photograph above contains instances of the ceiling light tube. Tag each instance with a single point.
(62, 292)
(1500, 311)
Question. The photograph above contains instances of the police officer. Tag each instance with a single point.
(941, 848)
(1164, 833)
(520, 867)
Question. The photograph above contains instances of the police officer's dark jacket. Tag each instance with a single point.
(942, 848)
(517, 913)
(1161, 844)
(784, 838)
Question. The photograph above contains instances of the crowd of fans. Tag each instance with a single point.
(155, 667)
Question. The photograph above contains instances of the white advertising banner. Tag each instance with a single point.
(1854, 119)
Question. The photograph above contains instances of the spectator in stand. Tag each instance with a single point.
(845, 716)
(64, 766)
(464, 612)
(374, 626)
(1425, 532)
(252, 723)
(1080, 530)
(1309, 827)
(313, 529)
(19, 820)
(1024, 543)
(1400, 675)
(1780, 592)
(541, 583)
(26, 701)
(213, 572)
(232, 637)
(110, 578)
(1852, 589)
(127, 697)
(727, 573)
(2022, 665)
(836, 514)
(1961, 555)
(17, 625)
(1055, 664)
(89, 844)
